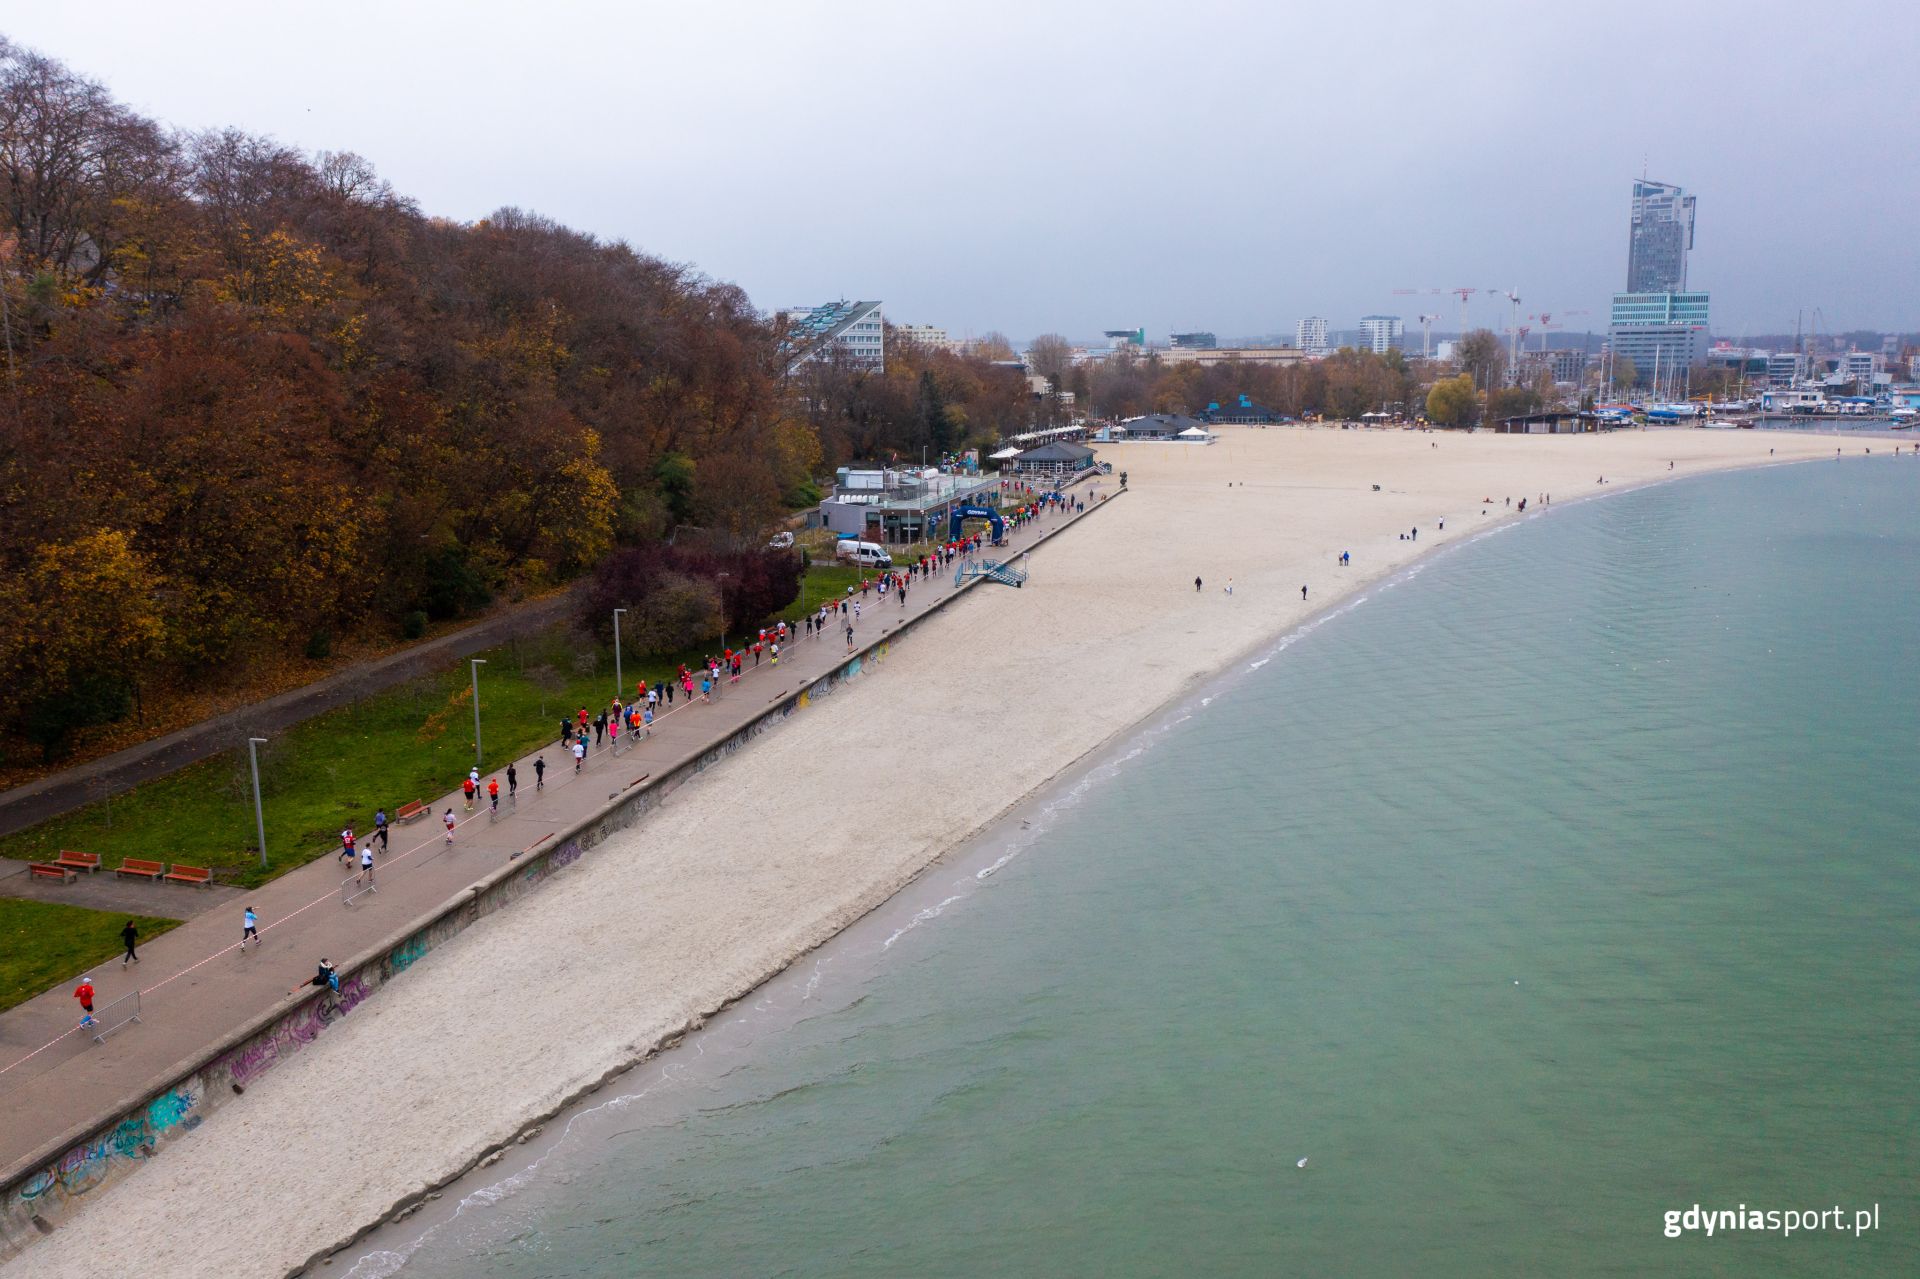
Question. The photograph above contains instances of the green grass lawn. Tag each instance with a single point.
(44, 943)
(407, 743)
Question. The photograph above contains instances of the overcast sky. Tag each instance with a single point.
(1046, 165)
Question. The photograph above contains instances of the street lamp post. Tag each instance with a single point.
(259, 819)
(478, 662)
(619, 682)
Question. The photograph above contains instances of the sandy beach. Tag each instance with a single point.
(767, 855)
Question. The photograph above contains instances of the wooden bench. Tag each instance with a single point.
(412, 812)
(140, 868)
(201, 875)
(88, 862)
(49, 870)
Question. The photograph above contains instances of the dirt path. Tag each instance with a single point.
(36, 802)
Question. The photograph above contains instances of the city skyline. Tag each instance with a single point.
(994, 197)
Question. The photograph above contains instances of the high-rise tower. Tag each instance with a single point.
(1661, 236)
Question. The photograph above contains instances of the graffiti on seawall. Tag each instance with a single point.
(93, 1162)
(295, 1031)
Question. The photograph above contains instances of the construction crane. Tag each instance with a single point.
(1426, 336)
(1462, 294)
(1513, 327)
(1545, 319)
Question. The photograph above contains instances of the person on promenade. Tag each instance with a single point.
(451, 822)
(128, 936)
(380, 827)
(776, 653)
(539, 772)
(613, 733)
(84, 993)
(579, 752)
(646, 718)
(581, 715)
(249, 928)
(473, 775)
(366, 865)
(513, 782)
(849, 639)
(493, 793)
(324, 976)
(706, 688)
(346, 845)
(599, 729)
(467, 788)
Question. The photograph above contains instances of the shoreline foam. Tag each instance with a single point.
(120, 1224)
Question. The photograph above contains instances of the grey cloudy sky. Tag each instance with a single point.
(1080, 166)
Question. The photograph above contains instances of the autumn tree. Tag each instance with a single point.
(1453, 401)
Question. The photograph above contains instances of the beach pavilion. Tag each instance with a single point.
(1060, 461)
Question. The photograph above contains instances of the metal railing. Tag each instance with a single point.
(350, 892)
(115, 1016)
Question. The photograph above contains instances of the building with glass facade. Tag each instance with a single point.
(1657, 323)
(1661, 237)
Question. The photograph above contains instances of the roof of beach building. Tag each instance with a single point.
(1160, 424)
(1058, 451)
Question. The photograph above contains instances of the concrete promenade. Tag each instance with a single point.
(196, 984)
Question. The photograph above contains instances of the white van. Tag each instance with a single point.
(866, 554)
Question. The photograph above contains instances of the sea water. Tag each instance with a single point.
(1566, 882)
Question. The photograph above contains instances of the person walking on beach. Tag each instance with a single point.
(1196, 586)
(380, 827)
(128, 936)
(84, 993)
(250, 926)
(451, 822)
(539, 772)
(513, 782)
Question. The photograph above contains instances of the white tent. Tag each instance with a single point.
(1195, 434)
(1003, 455)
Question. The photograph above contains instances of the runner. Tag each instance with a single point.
(366, 865)
(539, 772)
(513, 782)
(646, 717)
(128, 936)
(380, 827)
(579, 753)
(346, 845)
(776, 653)
(467, 787)
(84, 993)
(451, 823)
(250, 925)
(493, 792)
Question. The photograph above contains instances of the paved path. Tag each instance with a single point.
(72, 788)
(197, 985)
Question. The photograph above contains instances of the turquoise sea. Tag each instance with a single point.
(1569, 879)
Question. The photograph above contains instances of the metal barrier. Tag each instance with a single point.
(349, 895)
(116, 1015)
